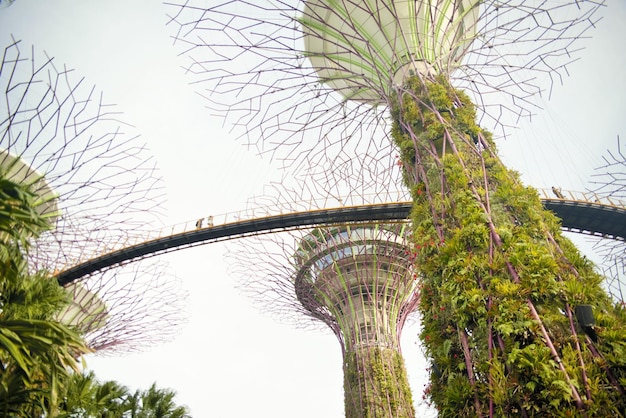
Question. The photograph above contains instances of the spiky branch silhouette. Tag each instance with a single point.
(102, 186)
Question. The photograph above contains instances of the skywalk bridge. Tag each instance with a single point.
(580, 212)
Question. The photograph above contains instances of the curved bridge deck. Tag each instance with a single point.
(578, 213)
(587, 213)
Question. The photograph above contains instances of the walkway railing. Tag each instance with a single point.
(586, 197)
(210, 219)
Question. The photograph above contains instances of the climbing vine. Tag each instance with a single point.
(500, 285)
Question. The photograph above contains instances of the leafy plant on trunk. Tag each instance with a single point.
(499, 283)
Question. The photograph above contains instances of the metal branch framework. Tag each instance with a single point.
(610, 182)
(103, 187)
(610, 178)
(251, 62)
(264, 265)
(142, 307)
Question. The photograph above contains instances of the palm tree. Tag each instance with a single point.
(86, 397)
(155, 403)
(35, 350)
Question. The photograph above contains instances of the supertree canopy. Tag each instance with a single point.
(515, 320)
(250, 60)
(99, 188)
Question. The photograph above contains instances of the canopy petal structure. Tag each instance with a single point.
(361, 49)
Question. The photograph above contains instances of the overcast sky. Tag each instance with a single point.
(230, 360)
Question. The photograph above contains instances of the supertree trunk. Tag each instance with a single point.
(376, 384)
(500, 285)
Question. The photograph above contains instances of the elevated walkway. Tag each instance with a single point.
(587, 213)
(580, 212)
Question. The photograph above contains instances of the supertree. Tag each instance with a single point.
(355, 278)
(100, 188)
(501, 289)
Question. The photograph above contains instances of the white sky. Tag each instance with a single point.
(231, 361)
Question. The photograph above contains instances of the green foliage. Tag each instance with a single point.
(36, 352)
(86, 397)
(499, 281)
